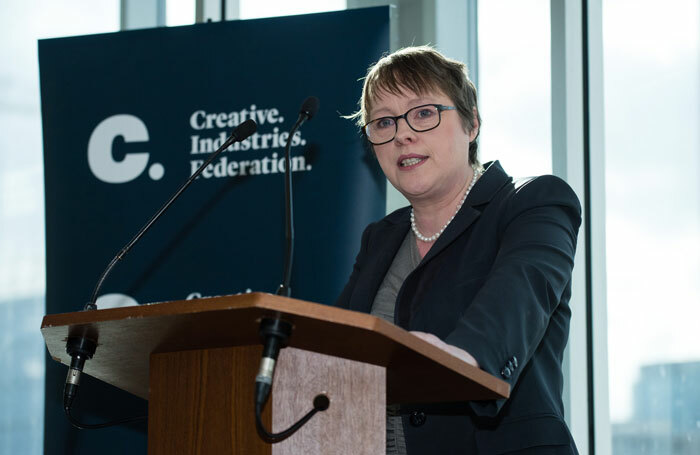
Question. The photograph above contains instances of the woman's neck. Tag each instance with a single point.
(432, 215)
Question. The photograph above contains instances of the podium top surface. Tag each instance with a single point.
(416, 370)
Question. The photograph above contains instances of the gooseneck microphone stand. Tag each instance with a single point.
(307, 111)
(81, 347)
(275, 332)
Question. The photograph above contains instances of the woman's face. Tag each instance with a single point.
(429, 166)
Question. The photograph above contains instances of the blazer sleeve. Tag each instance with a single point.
(509, 315)
(343, 300)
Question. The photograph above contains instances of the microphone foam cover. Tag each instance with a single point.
(245, 129)
(310, 107)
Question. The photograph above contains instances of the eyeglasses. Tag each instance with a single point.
(419, 119)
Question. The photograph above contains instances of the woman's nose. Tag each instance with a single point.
(404, 133)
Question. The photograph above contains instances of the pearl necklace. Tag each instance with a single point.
(435, 236)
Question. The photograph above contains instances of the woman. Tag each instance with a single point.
(479, 265)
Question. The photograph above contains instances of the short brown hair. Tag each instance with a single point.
(421, 69)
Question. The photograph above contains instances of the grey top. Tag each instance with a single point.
(406, 260)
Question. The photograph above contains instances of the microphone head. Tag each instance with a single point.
(244, 130)
(309, 107)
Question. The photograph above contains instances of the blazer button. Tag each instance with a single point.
(510, 365)
(417, 418)
(506, 372)
(515, 361)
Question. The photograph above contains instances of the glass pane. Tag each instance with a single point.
(515, 85)
(179, 12)
(652, 145)
(250, 9)
(22, 283)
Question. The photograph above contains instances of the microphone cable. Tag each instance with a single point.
(275, 335)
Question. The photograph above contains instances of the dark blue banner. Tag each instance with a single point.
(128, 116)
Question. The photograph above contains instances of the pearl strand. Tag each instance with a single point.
(435, 236)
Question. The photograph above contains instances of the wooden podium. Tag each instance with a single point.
(195, 361)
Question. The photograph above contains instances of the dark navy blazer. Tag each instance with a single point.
(497, 284)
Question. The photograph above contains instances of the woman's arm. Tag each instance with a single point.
(509, 316)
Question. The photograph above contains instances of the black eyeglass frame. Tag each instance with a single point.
(439, 107)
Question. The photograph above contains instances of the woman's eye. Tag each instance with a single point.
(385, 123)
(425, 113)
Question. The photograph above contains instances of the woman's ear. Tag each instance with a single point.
(474, 131)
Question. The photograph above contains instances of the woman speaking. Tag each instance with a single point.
(479, 264)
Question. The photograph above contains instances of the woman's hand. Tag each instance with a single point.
(454, 350)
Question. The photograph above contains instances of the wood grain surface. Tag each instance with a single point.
(416, 370)
(201, 402)
(355, 422)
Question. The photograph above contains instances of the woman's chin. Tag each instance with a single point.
(415, 192)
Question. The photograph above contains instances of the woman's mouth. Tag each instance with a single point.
(412, 161)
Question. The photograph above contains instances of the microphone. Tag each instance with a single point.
(82, 347)
(241, 133)
(308, 109)
(275, 332)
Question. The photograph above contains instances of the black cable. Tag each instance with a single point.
(81, 349)
(275, 333)
(321, 403)
(95, 426)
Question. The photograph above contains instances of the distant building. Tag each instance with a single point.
(666, 415)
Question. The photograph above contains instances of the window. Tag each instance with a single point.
(250, 9)
(652, 113)
(515, 85)
(22, 271)
(179, 12)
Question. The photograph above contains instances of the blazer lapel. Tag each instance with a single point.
(492, 180)
(389, 233)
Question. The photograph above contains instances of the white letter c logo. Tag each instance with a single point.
(100, 158)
